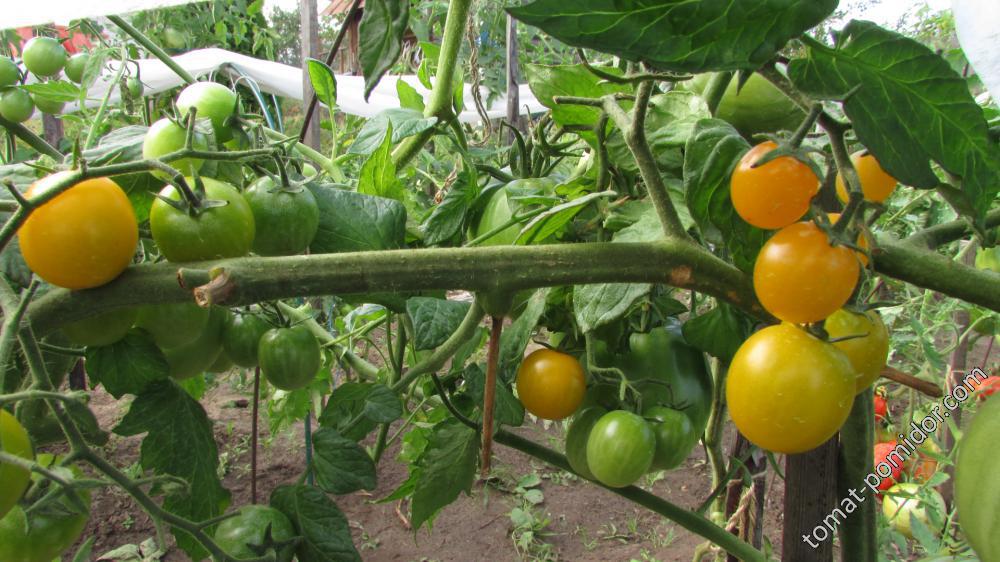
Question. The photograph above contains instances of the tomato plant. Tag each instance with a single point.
(14, 441)
(577, 436)
(16, 105)
(225, 231)
(166, 136)
(211, 101)
(81, 238)
(289, 357)
(241, 536)
(43, 56)
(866, 344)
(620, 448)
(550, 384)
(675, 437)
(876, 185)
(241, 338)
(286, 218)
(799, 276)
(774, 194)
(788, 391)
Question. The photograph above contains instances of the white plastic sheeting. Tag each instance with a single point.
(978, 25)
(286, 81)
(20, 13)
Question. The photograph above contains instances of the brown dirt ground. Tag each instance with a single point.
(587, 523)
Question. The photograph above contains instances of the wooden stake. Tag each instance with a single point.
(253, 436)
(489, 395)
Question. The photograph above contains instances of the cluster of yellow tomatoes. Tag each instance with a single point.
(789, 391)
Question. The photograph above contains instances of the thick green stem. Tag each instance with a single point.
(440, 103)
(715, 89)
(152, 47)
(683, 517)
(444, 352)
(935, 236)
(859, 532)
(634, 130)
(31, 139)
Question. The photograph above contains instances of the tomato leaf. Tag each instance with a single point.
(125, 145)
(670, 120)
(507, 409)
(447, 467)
(325, 532)
(58, 91)
(434, 320)
(179, 442)
(127, 366)
(409, 97)
(381, 31)
(323, 81)
(446, 219)
(405, 123)
(603, 303)
(341, 465)
(554, 219)
(908, 107)
(355, 222)
(548, 81)
(368, 403)
(378, 173)
(719, 332)
(678, 35)
(515, 337)
(709, 158)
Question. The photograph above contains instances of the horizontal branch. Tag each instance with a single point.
(512, 268)
(926, 387)
(940, 234)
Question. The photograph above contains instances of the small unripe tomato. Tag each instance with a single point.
(551, 384)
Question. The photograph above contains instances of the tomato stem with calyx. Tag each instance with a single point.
(489, 394)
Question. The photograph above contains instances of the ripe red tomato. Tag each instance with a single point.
(788, 391)
(882, 452)
(550, 384)
(881, 408)
(876, 185)
(800, 277)
(985, 389)
(82, 238)
(773, 195)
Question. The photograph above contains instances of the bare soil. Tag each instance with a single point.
(586, 523)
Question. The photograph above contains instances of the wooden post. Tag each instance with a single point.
(310, 49)
(810, 496)
(513, 96)
(53, 129)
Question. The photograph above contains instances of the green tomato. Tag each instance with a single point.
(46, 105)
(174, 38)
(663, 356)
(43, 56)
(134, 87)
(75, 67)
(13, 479)
(198, 356)
(105, 328)
(213, 101)
(675, 437)
(286, 220)
(620, 448)
(576, 439)
(988, 258)
(759, 107)
(906, 501)
(166, 136)
(241, 338)
(222, 363)
(10, 74)
(501, 208)
(226, 231)
(238, 535)
(289, 357)
(977, 488)
(16, 105)
(173, 325)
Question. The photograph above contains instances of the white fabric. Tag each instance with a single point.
(978, 25)
(20, 13)
(286, 81)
